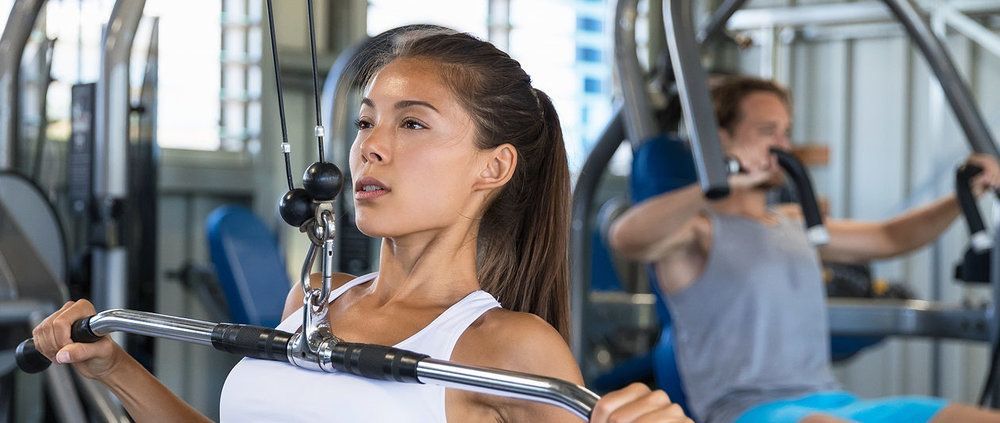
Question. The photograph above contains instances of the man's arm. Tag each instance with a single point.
(650, 230)
(861, 242)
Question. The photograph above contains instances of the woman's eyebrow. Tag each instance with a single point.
(411, 103)
(402, 104)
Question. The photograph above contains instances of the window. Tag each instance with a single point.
(241, 78)
(588, 54)
(589, 24)
(592, 85)
(188, 66)
(5, 6)
(558, 42)
(189, 75)
(466, 16)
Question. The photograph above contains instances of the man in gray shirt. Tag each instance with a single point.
(744, 286)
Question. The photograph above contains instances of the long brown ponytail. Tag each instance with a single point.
(523, 234)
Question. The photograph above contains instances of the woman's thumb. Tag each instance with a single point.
(77, 352)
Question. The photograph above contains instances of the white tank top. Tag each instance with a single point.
(270, 391)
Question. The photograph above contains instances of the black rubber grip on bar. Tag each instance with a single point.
(803, 186)
(30, 360)
(251, 341)
(966, 200)
(377, 361)
(81, 332)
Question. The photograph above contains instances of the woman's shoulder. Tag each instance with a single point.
(517, 341)
(520, 342)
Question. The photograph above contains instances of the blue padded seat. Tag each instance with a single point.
(249, 265)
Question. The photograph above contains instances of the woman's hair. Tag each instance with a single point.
(523, 234)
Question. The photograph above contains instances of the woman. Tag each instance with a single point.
(459, 166)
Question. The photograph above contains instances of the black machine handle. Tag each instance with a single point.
(979, 239)
(30, 360)
(365, 360)
(377, 361)
(245, 340)
(815, 230)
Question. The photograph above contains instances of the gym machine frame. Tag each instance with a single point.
(32, 300)
(634, 122)
(315, 347)
(848, 317)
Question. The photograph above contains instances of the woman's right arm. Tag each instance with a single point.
(145, 398)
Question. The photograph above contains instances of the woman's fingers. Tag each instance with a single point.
(44, 334)
(613, 400)
(651, 402)
(637, 403)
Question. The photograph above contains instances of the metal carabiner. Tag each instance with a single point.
(315, 301)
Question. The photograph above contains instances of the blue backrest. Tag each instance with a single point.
(662, 165)
(249, 266)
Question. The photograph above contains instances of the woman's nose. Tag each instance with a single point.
(373, 149)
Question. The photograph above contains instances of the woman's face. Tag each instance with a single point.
(414, 162)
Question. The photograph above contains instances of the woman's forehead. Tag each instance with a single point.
(408, 78)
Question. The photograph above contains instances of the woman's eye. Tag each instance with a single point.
(412, 124)
(362, 124)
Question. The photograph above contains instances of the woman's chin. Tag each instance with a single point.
(371, 232)
(375, 230)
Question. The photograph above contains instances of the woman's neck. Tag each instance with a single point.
(433, 266)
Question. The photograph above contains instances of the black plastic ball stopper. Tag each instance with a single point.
(323, 180)
(296, 207)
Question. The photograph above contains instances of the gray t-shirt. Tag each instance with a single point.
(753, 327)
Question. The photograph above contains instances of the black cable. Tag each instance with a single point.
(285, 147)
(319, 113)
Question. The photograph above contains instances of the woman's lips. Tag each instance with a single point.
(370, 195)
(369, 188)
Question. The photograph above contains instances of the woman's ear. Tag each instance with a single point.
(498, 167)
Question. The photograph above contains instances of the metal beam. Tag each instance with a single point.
(955, 89)
(692, 85)
(823, 14)
(717, 22)
(847, 317)
(906, 12)
(110, 164)
(584, 193)
(637, 111)
(620, 311)
(20, 22)
(971, 29)
(839, 13)
(869, 317)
